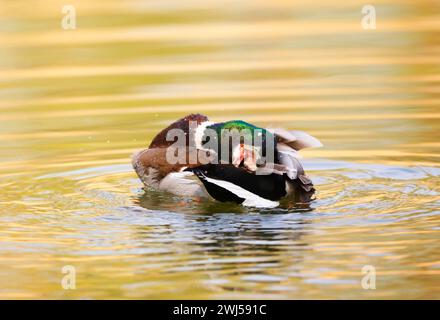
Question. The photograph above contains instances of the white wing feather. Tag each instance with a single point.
(305, 140)
(251, 199)
(296, 139)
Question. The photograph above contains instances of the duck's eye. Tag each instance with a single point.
(206, 140)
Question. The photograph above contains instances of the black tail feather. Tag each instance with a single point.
(216, 191)
(271, 186)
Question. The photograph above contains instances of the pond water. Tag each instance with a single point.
(75, 104)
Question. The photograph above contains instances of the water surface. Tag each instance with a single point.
(75, 104)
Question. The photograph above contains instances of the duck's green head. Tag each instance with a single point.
(240, 143)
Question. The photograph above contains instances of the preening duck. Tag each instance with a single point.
(229, 161)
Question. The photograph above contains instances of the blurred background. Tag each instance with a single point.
(74, 105)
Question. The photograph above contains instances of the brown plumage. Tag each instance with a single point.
(160, 141)
(227, 182)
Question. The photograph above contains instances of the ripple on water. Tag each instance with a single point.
(242, 249)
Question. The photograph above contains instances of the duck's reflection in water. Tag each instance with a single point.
(254, 245)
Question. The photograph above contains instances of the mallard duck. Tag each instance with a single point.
(239, 177)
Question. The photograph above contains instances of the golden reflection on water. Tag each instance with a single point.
(75, 104)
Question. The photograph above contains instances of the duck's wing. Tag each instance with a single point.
(229, 183)
(154, 158)
(166, 160)
(223, 190)
(154, 170)
(289, 143)
(296, 139)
